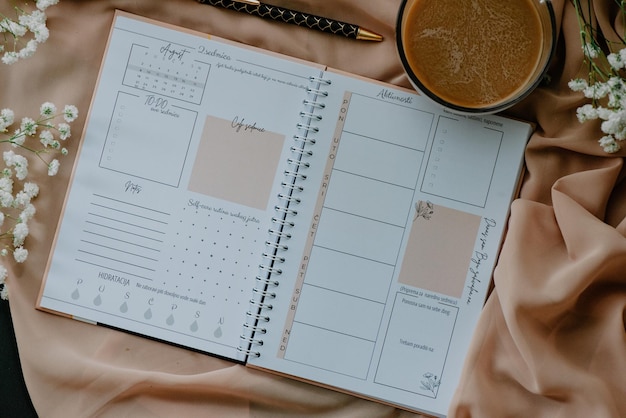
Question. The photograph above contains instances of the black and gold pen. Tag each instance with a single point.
(280, 14)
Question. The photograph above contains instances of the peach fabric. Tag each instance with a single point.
(551, 341)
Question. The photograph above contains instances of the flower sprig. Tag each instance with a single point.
(42, 138)
(431, 383)
(20, 36)
(605, 85)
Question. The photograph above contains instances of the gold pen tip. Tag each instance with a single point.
(250, 2)
(368, 35)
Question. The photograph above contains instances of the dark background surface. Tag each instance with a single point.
(14, 399)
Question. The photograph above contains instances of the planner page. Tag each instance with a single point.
(174, 188)
(381, 296)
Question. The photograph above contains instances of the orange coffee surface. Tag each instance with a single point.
(473, 53)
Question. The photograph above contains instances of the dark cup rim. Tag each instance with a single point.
(475, 110)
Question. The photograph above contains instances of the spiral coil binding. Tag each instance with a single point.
(263, 294)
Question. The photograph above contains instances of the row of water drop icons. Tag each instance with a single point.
(170, 320)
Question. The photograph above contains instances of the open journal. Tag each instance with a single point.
(282, 214)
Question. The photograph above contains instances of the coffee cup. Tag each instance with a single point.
(476, 56)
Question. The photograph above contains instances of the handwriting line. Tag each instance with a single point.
(117, 260)
(125, 223)
(129, 213)
(122, 241)
(123, 231)
(131, 204)
(118, 250)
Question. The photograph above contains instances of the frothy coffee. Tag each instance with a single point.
(473, 53)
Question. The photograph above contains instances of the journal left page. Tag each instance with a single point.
(172, 193)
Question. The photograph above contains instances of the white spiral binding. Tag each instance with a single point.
(304, 139)
(253, 328)
(283, 222)
(300, 151)
(262, 294)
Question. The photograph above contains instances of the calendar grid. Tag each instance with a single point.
(151, 71)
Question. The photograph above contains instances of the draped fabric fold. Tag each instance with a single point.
(551, 341)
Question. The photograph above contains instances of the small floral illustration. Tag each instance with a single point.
(424, 210)
(431, 383)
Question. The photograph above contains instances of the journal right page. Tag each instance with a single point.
(392, 252)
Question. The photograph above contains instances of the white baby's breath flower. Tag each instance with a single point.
(608, 144)
(47, 109)
(16, 29)
(23, 199)
(596, 91)
(53, 167)
(9, 157)
(616, 98)
(46, 138)
(32, 20)
(28, 126)
(3, 274)
(44, 4)
(70, 113)
(28, 213)
(615, 125)
(6, 199)
(622, 55)
(7, 117)
(586, 112)
(615, 84)
(578, 84)
(20, 254)
(10, 57)
(591, 50)
(6, 184)
(29, 50)
(41, 33)
(64, 131)
(36, 24)
(603, 112)
(20, 232)
(20, 163)
(31, 189)
(615, 61)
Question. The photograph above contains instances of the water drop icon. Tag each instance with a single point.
(148, 314)
(170, 320)
(97, 301)
(218, 332)
(75, 294)
(124, 308)
(194, 326)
